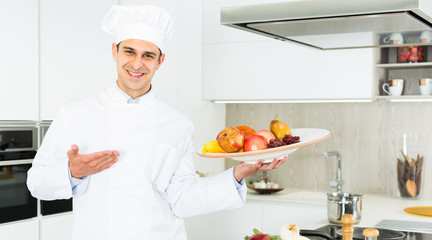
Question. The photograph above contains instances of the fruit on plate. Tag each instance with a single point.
(279, 129)
(276, 143)
(246, 130)
(212, 147)
(288, 139)
(267, 134)
(255, 142)
(289, 231)
(231, 139)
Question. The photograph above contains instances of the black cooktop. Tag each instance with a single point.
(334, 231)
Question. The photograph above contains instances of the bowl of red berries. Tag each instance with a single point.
(411, 54)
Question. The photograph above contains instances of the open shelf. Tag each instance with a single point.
(404, 65)
(387, 68)
(406, 98)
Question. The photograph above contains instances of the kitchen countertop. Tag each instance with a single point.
(374, 207)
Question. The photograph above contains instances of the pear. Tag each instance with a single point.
(279, 129)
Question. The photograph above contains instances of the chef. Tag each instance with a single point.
(124, 155)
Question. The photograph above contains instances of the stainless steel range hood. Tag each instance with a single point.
(335, 24)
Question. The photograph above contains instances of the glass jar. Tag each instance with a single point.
(411, 54)
(410, 165)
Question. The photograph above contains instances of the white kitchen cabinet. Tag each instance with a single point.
(230, 224)
(275, 70)
(56, 227)
(19, 61)
(277, 214)
(75, 54)
(27, 229)
(239, 65)
(266, 216)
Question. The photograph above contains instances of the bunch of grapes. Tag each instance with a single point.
(276, 143)
(288, 139)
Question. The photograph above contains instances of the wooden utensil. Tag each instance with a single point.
(413, 162)
(411, 188)
(406, 158)
(347, 226)
(418, 179)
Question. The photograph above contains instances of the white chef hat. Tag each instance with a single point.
(144, 22)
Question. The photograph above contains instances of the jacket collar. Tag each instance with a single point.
(120, 97)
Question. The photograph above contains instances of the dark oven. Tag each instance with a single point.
(18, 144)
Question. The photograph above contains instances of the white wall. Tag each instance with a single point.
(74, 53)
(367, 135)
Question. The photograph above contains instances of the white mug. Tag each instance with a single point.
(425, 85)
(394, 38)
(426, 37)
(394, 87)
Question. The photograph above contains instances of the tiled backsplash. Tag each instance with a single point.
(366, 135)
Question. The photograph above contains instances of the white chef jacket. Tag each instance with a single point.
(149, 190)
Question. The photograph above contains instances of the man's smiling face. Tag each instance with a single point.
(137, 61)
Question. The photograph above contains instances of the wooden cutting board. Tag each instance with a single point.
(425, 211)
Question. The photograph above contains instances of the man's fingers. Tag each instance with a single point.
(73, 151)
(116, 153)
(268, 166)
(102, 160)
(94, 158)
(273, 164)
(107, 161)
(259, 164)
(243, 170)
(280, 162)
(106, 164)
(87, 164)
(75, 148)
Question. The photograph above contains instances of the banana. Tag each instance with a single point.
(213, 147)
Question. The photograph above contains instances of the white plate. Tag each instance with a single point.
(307, 136)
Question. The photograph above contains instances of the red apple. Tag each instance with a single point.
(231, 139)
(255, 142)
(260, 236)
(267, 134)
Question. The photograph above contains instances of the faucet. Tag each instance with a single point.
(337, 182)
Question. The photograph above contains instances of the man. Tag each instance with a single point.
(124, 155)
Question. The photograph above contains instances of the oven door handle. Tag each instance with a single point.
(16, 162)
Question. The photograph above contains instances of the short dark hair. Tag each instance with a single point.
(160, 52)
